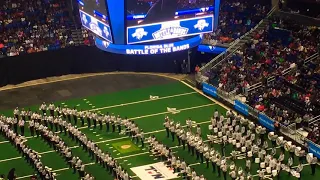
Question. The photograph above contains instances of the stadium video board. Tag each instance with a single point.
(93, 14)
(153, 20)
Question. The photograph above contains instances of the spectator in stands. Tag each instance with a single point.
(236, 18)
(33, 26)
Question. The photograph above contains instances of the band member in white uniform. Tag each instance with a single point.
(21, 125)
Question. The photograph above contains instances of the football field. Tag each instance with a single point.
(148, 113)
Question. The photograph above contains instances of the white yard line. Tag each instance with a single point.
(57, 170)
(142, 101)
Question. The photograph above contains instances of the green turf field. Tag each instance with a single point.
(148, 114)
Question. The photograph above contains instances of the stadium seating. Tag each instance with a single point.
(33, 26)
(273, 75)
(237, 18)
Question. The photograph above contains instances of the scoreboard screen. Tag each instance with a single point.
(153, 20)
(94, 16)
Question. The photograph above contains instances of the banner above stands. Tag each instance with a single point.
(210, 90)
(314, 149)
(241, 107)
(266, 121)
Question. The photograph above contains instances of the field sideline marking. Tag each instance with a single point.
(140, 117)
(28, 83)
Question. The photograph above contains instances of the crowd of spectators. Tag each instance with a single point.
(264, 56)
(28, 26)
(236, 18)
(281, 47)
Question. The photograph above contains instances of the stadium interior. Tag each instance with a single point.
(241, 102)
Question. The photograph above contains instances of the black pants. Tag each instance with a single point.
(82, 121)
(113, 127)
(75, 118)
(95, 123)
(197, 154)
(89, 122)
(313, 169)
(32, 131)
(81, 174)
(179, 140)
(119, 128)
(100, 124)
(167, 130)
(184, 144)
(52, 113)
(51, 126)
(15, 126)
(108, 126)
(213, 166)
(22, 130)
(201, 157)
(172, 136)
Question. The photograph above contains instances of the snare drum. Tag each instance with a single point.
(268, 170)
(215, 130)
(262, 165)
(243, 149)
(257, 160)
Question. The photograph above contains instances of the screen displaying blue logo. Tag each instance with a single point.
(148, 49)
(314, 148)
(242, 108)
(96, 26)
(169, 29)
(210, 90)
(266, 121)
(211, 49)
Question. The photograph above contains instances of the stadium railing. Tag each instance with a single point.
(232, 48)
(284, 72)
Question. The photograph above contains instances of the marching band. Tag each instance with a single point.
(247, 139)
